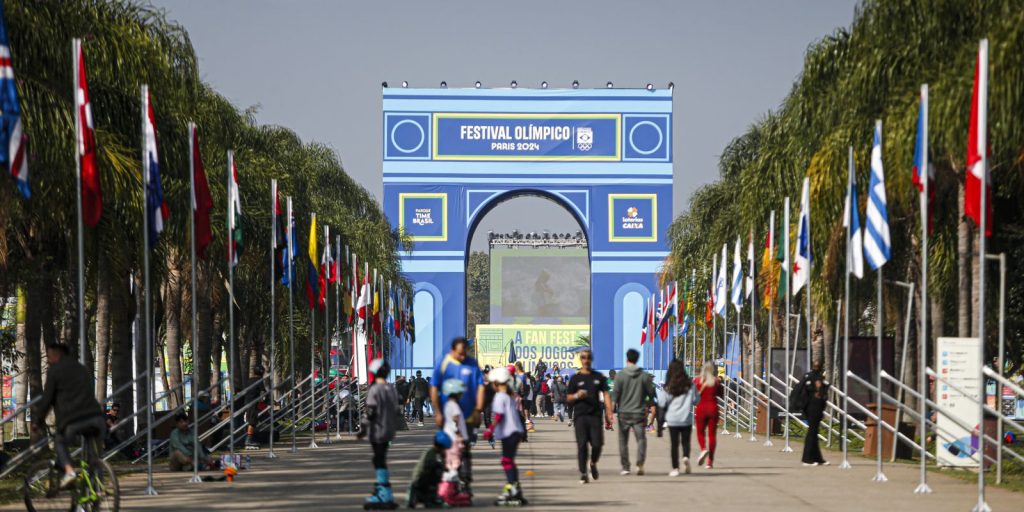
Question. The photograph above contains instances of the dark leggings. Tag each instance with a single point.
(589, 431)
(92, 428)
(679, 435)
(509, 446)
(380, 455)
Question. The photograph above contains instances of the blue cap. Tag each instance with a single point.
(442, 439)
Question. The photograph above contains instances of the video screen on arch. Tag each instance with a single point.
(548, 285)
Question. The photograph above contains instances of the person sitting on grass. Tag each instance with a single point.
(183, 448)
(426, 477)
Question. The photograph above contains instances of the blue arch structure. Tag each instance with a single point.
(450, 155)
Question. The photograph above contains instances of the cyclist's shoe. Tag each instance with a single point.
(68, 480)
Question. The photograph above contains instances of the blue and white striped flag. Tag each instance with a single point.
(720, 287)
(851, 219)
(877, 246)
(737, 278)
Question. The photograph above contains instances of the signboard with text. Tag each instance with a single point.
(957, 360)
(424, 216)
(554, 344)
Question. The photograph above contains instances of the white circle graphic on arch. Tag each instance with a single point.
(632, 132)
(423, 136)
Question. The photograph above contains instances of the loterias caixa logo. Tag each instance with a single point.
(632, 220)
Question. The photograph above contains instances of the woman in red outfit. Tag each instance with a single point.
(709, 388)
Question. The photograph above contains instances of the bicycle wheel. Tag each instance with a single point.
(108, 491)
(41, 488)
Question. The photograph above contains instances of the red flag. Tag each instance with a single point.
(92, 194)
(202, 201)
(976, 164)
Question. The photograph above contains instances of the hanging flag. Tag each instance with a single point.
(876, 238)
(802, 256)
(411, 326)
(721, 288)
(376, 311)
(851, 219)
(977, 165)
(325, 265)
(202, 200)
(396, 313)
(364, 301)
(921, 160)
(665, 312)
(13, 138)
(288, 257)
(312, 276)
(769, 270)
(737, 278)
(652, 318)
(785, 269)
(645, 323)
(156, 207)
(709, 311)
(235, 245)
(92, 194)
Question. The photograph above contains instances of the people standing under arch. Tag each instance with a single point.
(677, 402)
(709, 387)
(457, 365)
(583, 395)
(633, 391)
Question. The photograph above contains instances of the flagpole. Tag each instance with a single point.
(341, 331)
(273, 312)
(76, 45)
(922, 379)
(771, 318)
(150, 490)
(850, 179)
(312, 352)
(753, 332)
(879, 322)
(327, 331)
(291, 319)
(192, 229)
(787, 268)
(231, 303)
(982, 251)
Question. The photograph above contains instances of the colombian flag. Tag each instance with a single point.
(312, 273)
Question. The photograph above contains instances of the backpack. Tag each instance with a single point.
(798, 397)
(544, 388)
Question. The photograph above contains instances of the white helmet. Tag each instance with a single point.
(499, 375)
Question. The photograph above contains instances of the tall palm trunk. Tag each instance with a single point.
(202, 346)
(35, 312)
(102, 326)
(963, 247)
(122, 314)
(172, 291)
(217, 347)
(139, 342)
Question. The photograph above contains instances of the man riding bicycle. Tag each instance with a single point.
(69, 390)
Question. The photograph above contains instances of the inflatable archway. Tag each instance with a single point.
(605, 155)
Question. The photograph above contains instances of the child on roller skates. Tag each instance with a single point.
(508, 429)
(380, 424)
(427, 474)
(452, 490)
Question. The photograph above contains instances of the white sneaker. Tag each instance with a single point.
(674, 472)
(639, 471)
(826, 463)
(703, 457)
(686, 465)
(708, 466)
(68, 479)
(624, 472)
(809, 464)
(420, 424)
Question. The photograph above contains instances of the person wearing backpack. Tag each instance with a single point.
(677, 403)
(558, 397)
(813, 397)
(543, 392)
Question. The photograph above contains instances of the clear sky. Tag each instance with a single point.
(316, 66)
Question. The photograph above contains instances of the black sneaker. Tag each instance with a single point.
(584, 479)
(593, 472)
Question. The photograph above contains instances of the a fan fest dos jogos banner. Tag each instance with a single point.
(605, 155)
(498, 345)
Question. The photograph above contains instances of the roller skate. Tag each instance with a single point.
(381, 499)
(453, 496)
(511, 496)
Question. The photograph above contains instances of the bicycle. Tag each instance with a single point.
(96, 488)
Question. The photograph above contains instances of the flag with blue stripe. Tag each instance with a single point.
(877, 245)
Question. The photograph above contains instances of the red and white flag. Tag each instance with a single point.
(362, 307)
(92, 195)
(977, 164)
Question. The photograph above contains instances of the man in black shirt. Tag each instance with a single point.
(419, 392)
(584, 395)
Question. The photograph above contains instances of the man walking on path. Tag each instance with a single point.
(456, 365)
(419, 390)
(632, 393)
(584, 390)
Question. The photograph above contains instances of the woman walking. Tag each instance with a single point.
(677, 402)
(815, 389)
(709, 388)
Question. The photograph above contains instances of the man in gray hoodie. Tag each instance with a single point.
(632, 393)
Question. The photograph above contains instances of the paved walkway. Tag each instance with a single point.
(747, 476)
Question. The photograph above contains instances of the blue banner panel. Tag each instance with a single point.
(632, 217)
(424, 216)
(527, 137)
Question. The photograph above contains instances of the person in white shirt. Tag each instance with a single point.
(508, 429)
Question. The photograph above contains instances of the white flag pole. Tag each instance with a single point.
(771, 318)
(787, 268)
(148, 338)
(850, 179)
(312, 351)
(231, 302)
(273, 312)
(982, 243)
(195, 334)
(290, 269)
(76, 50)
(922, 379)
